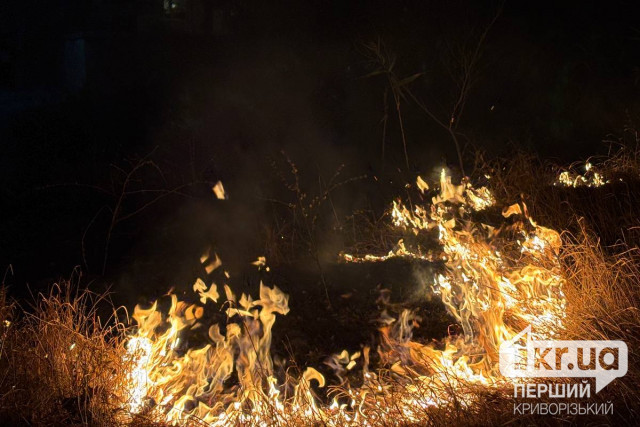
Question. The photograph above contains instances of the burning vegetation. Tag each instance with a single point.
(206, 359)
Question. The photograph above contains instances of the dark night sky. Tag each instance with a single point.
(216, 88)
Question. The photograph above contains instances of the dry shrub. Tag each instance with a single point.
(368, 233)
(60, 363)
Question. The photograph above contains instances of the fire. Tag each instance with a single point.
(496, 279)
(591, 178)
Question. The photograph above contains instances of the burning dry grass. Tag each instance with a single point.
(610, 210)
(62, 365)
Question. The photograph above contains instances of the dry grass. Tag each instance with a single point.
(60, 364)
(603, 303)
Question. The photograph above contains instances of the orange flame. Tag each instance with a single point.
(496, 280)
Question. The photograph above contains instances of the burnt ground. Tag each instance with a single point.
(359, 293)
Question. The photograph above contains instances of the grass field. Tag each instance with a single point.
(63, 362)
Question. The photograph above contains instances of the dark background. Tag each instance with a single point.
(210, 90)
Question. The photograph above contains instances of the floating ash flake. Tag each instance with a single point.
(218, 190)
(209, 263)
(422, 185)
(261, 261)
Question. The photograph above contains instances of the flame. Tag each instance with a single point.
(496, 279)
(591, 178)
(179, 384)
